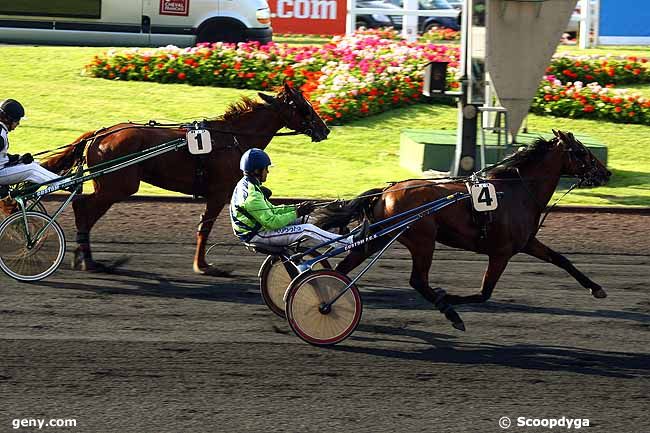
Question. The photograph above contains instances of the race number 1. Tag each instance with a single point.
(198, 141)
(484, 197)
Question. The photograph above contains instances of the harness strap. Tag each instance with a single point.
(254, 230)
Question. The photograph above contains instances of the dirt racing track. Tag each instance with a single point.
(155, 348)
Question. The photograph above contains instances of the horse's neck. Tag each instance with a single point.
(258, 127)
(542, 179)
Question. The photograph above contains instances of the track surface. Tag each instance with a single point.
(155, 348)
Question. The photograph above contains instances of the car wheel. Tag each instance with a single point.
(430, 25)
(221, 32)
(362, 23)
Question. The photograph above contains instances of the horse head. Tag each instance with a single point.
(298, 114)
(580, 162)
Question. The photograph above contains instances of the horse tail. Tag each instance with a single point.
(65, 160)
(340, 214)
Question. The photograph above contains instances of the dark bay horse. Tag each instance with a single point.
(526, 180)
(245, 124)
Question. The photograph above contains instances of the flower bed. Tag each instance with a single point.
(604, 70)
(594, 101)
(349, 77)
(372, 72)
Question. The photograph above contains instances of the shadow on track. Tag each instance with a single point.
(448, 350)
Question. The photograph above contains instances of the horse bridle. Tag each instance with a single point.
(307, 126)
(588, 168)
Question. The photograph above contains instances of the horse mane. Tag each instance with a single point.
(532, 153)
(236, 109)
(245, 105)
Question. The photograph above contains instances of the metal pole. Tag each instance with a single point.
(410, 22)
(585, 23)
(351, 18)
(465, 158)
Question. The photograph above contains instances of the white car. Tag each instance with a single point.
(134, 22)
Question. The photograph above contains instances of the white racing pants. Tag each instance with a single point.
(296, 231)
(25, 173)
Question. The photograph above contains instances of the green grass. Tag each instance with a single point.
(61, 104)
(638, 51)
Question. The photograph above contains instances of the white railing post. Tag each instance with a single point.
(351, 18)
(585, 24)
(410, 22)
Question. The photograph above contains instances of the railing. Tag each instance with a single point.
(409, 28)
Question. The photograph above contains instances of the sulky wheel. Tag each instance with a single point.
(30, 205)
(33, 261)
(309, 315)
(276, 274)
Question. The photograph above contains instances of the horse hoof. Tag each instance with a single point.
(598, 293)
(459, 325)
(92, 266)
(212, 271)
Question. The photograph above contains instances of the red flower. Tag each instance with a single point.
(171, 71)
(618, 109)
(181, 76)
(588, 108)
(631, 114)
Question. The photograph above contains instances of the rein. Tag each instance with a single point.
(545, 208)
(152, 124)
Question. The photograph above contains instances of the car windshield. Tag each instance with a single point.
(435, 4)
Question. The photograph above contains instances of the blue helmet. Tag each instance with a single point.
(254, 159)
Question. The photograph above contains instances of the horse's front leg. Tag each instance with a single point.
(212, 209)
(537, 249)
(496, 266)
(422, 255)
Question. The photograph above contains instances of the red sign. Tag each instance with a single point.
(174, 7)
(308, 17)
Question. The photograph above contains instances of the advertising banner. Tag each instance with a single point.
(308, 17)
(174, 7)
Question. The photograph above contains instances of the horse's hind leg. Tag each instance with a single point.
(212, 209)
(537, 249)
(496, 266)
(89, 208)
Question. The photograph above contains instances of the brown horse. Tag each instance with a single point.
(526, 181)
(246, 124)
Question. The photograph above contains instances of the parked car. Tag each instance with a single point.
(456, 4)
(134, 22)
(446, 15)
(374, 21)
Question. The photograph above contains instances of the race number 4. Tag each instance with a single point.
(484, 197)
(198, 141)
